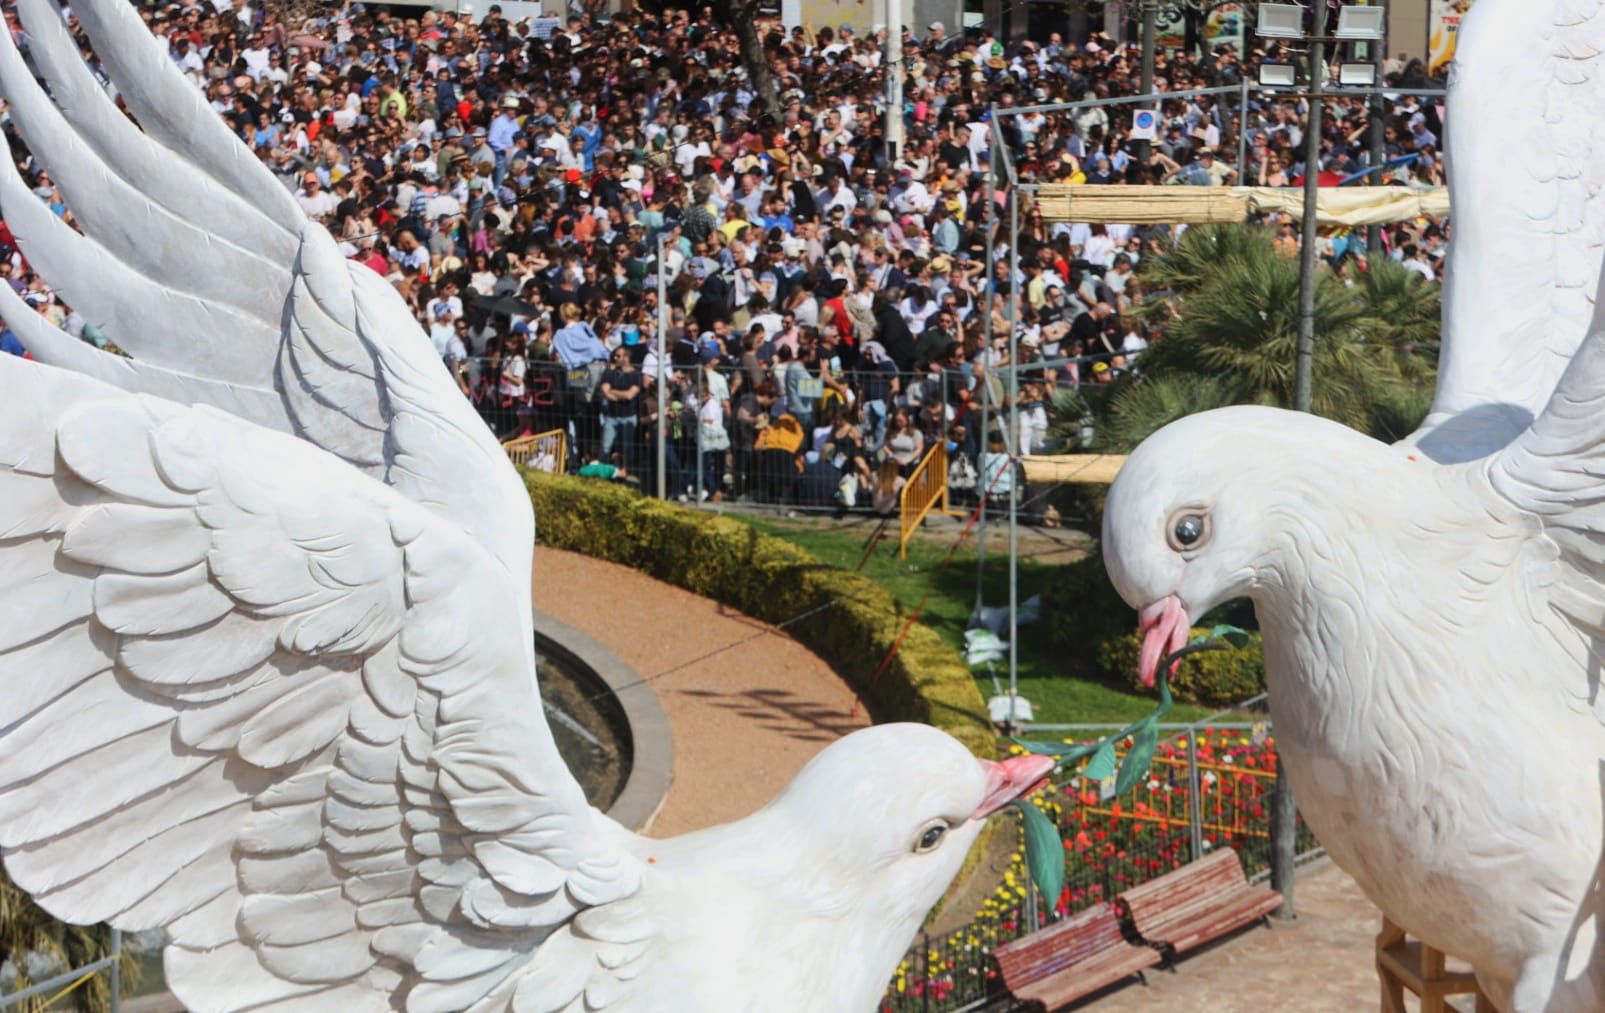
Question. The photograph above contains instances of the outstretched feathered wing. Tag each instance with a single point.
(1526, 168)
(263, 702)
(1554, 473)
(266, 660)
(199, 264)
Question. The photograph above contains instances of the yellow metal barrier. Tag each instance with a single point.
(546, 451)
(926, 487)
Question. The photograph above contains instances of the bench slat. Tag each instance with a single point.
(1197, 903)
(1071, 958)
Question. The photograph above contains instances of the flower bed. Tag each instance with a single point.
(1111, 845)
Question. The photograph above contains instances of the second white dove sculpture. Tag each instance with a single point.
(266, 667)
(1434, 612)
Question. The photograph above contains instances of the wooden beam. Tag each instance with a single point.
(1085, 469)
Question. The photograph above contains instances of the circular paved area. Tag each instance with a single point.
(743, 720)
(748, 718)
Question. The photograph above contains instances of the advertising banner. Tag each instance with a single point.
(1224, 27)
(1443, 24)
(1170, 25)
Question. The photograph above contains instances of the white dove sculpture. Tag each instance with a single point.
(266, 665)
(1434, 612)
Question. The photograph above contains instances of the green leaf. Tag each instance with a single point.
(1135, 766)
(1102, 763)
(1231, 634)
(1061, 751)
(1041, 748)
(1044, 852)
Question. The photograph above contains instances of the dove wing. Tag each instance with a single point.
(1526, 166)
(199, 264)
(1554, 472)
(267, 704)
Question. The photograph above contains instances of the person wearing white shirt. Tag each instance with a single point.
(1414, 261)
(843, 197)
(442, 328)
(686, 155)
(913, 198)
(448, 300)
(255, 57)
(317, 202)
(188, 60)
(441, 205)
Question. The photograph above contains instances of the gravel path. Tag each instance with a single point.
(744, 720)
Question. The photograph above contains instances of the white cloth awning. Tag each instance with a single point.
(1198, 205)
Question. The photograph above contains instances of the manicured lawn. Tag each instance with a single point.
(1059, 697)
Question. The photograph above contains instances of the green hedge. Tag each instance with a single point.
(1215, 678)
(1081, 610)
(773, 580)
(1085, 622)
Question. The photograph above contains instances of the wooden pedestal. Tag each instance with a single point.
(1405, 964)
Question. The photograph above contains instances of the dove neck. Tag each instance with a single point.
(1355, 618)
(804, 919)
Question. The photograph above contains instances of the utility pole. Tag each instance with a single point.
(894, 82)
(1284, 808)
(1150, 31)
(1379, 53)
(986, 337)
(1312, 171)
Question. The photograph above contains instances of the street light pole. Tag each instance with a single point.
(1150, 29)
(894, 81)
(1379, 52)
(1312, 170)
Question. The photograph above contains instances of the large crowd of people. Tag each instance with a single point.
(829, 310)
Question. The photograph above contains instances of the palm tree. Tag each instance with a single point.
(28, 934)
(1138, 409)
(1200, 254)
(1230, 325)
(1405, 315)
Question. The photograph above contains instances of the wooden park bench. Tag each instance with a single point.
(1197, 903)
(1057, 965)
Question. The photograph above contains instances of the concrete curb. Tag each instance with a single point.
(651, 744)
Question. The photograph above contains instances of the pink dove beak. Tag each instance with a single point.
(1014, 778)
(1164, 627)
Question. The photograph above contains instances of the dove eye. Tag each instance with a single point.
(930, 838)
(1188, 530)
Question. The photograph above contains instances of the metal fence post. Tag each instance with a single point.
(1242, 137)
(663, 354)
(1033, 910)
(1195, 812)
(116, 970)
(925, 961)
(1284, 850)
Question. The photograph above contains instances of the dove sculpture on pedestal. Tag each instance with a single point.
(267, 677)
(1434, 612)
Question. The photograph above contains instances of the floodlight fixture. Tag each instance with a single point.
(1360, 24)
(1280, 21)
(1357, 75)
(1277, 75)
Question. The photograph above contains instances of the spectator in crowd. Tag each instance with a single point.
(620, 389)
(527, 193)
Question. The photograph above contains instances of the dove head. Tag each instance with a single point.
(1208, 509)
(894, 808)
(857, 849)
